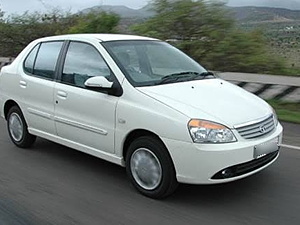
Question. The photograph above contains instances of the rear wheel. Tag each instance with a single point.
(150, 168)
(17, 128)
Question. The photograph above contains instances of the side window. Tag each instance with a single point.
(82, 62)
(46, 59)
(29, 61)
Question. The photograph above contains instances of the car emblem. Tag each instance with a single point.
(262, 129)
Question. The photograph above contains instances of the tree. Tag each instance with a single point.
(18, 30)
(206, 31)
(96, 23)
(246, 52)
(186, 20)
(1, 14)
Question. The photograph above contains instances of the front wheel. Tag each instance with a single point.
(150, 168)
(17, 128)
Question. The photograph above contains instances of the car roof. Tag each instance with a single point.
(98, 37)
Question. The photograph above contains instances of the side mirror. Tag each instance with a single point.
(98, 82)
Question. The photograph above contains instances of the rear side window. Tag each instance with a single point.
(42, 60)
(29, 62)
(46, 59)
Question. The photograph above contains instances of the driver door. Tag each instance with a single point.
(82, 116)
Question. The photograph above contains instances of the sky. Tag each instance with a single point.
(20, 6)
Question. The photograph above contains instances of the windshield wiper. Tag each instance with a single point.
(184, 76)
(206, 74)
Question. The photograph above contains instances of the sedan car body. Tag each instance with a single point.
(140, 103)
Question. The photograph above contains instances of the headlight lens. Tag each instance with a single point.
(203, 131)
(275, 117)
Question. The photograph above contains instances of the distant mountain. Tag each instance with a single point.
(287, 4)
(123, 11)
(260, 14)
(241, 14)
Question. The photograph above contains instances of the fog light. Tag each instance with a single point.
(227, 173)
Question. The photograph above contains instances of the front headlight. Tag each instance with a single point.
(275, 117)
(203, 131)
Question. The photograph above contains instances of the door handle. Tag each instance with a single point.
(62, 94)
(23, 84)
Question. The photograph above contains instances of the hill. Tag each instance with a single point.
(264, 14)
(123, 11)
(241, 14)
(288, 4)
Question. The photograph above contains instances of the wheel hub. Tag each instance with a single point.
(16, 127)
(146, 169)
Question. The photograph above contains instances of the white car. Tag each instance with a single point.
(140, 103)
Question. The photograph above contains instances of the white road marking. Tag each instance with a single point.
(290, 146)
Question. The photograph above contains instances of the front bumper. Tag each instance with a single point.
(201, 163)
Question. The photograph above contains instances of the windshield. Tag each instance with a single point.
(147, 63)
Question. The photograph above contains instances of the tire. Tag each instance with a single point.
(150, 168)
(17, 128)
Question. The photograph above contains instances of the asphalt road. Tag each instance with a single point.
(52, 184)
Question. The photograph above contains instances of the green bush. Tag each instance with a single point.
(18, 30)
(96, 23)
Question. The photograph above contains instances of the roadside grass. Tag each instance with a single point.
(286, 111)
(289, 72)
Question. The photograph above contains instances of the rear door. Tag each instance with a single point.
(36, 86)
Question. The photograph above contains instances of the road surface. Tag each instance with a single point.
(52, 184)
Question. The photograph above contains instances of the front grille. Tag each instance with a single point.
(257, 129)
(244, 168)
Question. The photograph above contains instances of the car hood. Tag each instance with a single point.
(210, 99)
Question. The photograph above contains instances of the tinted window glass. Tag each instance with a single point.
(29, 62)
(46, 59)
(82, 62)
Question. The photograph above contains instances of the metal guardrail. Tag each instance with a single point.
(5, 61)
(283, 88)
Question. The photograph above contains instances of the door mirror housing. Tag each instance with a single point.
(98, 82)
(101, 84)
